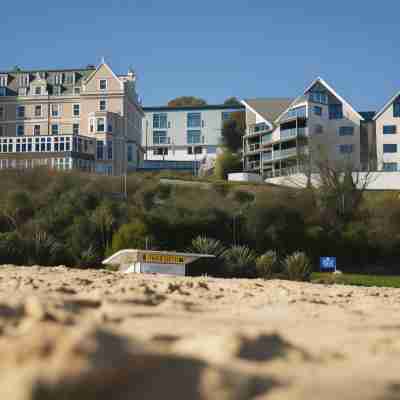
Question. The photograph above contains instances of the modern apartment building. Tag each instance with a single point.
(387, 122)
(317, 123)
(88, 119)
(183, 137)
(260, 114)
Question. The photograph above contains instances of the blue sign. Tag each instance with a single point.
(328, 263)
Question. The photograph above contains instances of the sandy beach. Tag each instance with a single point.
(85, 334)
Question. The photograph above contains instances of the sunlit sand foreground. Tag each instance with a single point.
(82, 334)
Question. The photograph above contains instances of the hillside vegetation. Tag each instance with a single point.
(52, 218)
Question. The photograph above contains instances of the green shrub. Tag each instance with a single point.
(297, 267)
(267, 265)
(239, 262)
(130, 236)
(205, 245)
(227, 163)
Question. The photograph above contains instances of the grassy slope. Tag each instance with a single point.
(358, 279)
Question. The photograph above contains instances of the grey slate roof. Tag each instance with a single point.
(269, 108)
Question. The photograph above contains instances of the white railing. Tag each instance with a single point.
(267, 156)
(294, 132)
(253, 147)
(283, 172)
(284, 153)
(254, 165)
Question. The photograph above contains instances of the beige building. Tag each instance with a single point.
(319, 123)
(89, 119)
(387, 122)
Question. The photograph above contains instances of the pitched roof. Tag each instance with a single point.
(330, 89)
(368, 115)
(319, 80)
(388, 104)
(268, 108)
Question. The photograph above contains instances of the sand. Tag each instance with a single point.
(84, 334)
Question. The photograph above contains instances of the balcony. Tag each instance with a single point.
(267, 156)
(257, 129)
(285, 153)
(292, 133)
(252, 165)
(299, 112)
(283, 172)
(266, 139)
(251, 148)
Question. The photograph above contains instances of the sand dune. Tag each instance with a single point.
(73, 334)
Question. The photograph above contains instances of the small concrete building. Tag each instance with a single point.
(153, 262)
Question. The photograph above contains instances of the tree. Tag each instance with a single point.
(233, 131)
(185, 101)
(130, 236)
(227, 162)
(232, 101)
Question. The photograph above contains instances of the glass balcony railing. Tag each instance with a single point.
(299, 112)
(294, 132)
(277, 154)
(258, 128)
(253, 147)
(267, 156)
(266, 138)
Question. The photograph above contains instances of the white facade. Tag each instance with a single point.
(184, 133)
(317, 125)
(388, 136)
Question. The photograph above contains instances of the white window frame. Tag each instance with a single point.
(4, 80)
(58, 129)
(103, 80)
(41, 111)
(55, 107)
(106, 104)
(34, 91)
(73, 110)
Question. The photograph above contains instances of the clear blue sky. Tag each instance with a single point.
(215, 48)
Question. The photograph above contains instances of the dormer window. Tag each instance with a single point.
(3, 80)
(57, 90)
(103, 84)
(23, 80)
(2, 91)
(38, 90)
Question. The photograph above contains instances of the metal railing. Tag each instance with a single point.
(253, 147)
(254, 165)
(267, 156)
(277, 154)
(294, 132)
(283, 172)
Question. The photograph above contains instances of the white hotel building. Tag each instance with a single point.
(181, 138)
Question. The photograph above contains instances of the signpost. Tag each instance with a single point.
(327, 264)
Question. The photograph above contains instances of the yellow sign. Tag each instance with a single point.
(162, 259)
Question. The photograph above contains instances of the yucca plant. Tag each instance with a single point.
(206, 266)
(205, 245)
(267, 264)
(297, 267)
(239, 262)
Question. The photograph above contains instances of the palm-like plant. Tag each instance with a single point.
(297, 267)
(205, 245)
(239, 262)
(267, 264)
